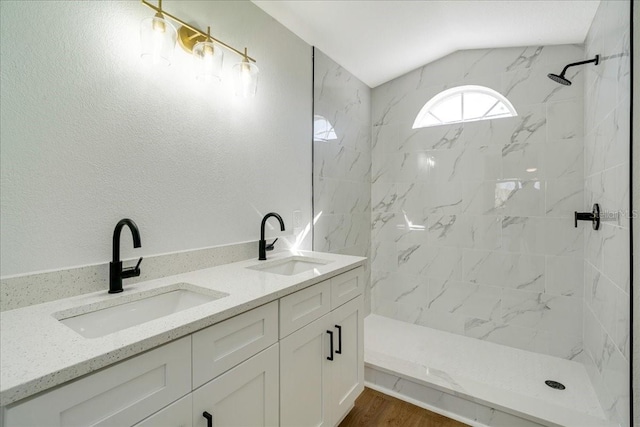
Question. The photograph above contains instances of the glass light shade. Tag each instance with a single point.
(246, 79)
(208, 61)
(158, 40)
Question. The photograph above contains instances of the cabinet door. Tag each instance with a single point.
(245, 396)
(305, 376)
(178, 414)
(347, 369)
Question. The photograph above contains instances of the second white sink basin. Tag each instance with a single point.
(165, 301)
(291, 265)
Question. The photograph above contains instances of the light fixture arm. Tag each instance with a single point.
(159, 13)
(158, 9)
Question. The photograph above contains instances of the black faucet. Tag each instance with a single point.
(116, 273)
(262, 245)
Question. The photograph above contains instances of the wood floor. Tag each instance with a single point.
(373, 408)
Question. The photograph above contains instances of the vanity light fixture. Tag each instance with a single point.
(158, 38)
(207, 59)
(245, 75)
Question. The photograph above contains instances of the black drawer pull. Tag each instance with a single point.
(209, 418)
(330, 357)
(339, 350)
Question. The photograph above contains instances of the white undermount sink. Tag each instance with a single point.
(97, 321)
(290, 266)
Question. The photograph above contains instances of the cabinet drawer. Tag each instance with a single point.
(346, 286)
(120, 395)
(222, 346)
(303, 307)
(178, 414)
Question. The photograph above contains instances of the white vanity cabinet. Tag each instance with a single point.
(120, 395)
(232, 390)
(224, 345)
(303, 354)
(247, 395)
(265, 367)
(328, 354)
(347, 368)
(346, 286)
(178, 414)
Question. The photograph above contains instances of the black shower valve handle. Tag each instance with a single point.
(581, 216)
(593, 216)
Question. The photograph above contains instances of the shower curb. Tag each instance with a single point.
(442, 402)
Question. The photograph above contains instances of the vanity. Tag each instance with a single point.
(276, 342)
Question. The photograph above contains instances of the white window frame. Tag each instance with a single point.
(426, 111)
(323, 130)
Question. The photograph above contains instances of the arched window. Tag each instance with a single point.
(323, 130)
(464, 104)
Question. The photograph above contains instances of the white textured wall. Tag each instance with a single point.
(89, 135)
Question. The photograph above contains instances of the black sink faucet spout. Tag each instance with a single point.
(262, 246)
(116, 272)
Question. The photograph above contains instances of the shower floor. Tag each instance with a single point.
(474, 381)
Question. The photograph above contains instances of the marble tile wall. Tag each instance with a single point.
(472, 224)
(341, 161)
(606, 165)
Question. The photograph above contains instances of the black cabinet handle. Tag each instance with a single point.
(339, 350)
(331, 345)
(209, 418)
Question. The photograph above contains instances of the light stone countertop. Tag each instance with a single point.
(38, 352)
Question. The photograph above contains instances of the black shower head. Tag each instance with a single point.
(562, 79)
(559, 79)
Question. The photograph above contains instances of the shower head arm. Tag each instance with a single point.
(596, 60)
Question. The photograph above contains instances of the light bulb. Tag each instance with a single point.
(207, 61)
(157, 42)
(158, 24)
(158, 39)
(246, 79)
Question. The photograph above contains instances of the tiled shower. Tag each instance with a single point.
(472, 229)
(472, 225)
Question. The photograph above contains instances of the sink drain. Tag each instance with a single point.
(555, 384)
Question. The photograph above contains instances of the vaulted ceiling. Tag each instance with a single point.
(378, 41)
